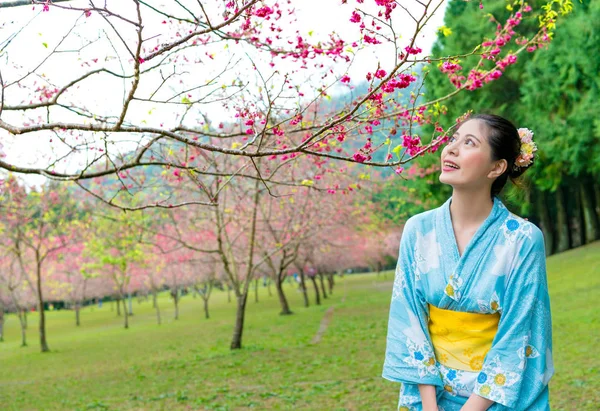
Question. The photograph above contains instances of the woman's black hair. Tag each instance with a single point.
(505, 143)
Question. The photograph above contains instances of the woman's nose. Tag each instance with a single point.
(452, 147)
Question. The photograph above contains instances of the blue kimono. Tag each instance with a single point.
(502, 272)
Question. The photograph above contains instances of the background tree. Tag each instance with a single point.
(115, 247)
(528, 93)
(38, 224)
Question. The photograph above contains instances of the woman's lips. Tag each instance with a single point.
(446, 168)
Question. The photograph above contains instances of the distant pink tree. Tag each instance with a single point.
(72, 278)
(38, 224)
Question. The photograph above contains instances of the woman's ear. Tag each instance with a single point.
(498, 169)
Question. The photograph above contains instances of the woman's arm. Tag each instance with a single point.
(428, 398)
(517, 368)
(477, 403)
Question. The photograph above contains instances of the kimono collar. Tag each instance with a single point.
(496, 216)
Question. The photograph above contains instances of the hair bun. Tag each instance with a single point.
(518, 171)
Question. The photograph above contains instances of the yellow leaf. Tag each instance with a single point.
(307, 183)
(235, 145)
(446, 31)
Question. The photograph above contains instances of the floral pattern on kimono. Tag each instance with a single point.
(494, 379)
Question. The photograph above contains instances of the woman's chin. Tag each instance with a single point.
(445, 179)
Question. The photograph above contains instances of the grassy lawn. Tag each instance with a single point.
(186, 364)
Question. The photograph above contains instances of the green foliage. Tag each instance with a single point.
(115, 241)
(553, 91)
(560, 94)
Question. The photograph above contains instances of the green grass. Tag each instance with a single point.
(186, 364)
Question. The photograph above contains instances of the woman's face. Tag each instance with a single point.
(469, 150)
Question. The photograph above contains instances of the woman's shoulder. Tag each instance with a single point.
(422, 221)
(521, 230)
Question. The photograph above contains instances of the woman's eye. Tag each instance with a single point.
(470, 141)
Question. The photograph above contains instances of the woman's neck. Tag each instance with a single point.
(470, 209)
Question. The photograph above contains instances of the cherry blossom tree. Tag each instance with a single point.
(283, 224)
(207, 272)
(154, 278)
(115, 246)
(38, 223)
(239, 78)
(72, 277)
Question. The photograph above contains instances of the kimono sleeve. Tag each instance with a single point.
(518, 366)
(409, 356)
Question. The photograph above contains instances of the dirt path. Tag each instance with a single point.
(323, 326)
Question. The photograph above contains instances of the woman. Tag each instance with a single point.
(469, 326)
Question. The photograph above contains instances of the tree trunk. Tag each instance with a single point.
(317, 295)
(322, 286)
(125, 311)
(269, 287)
(589, 214)
(303, 288)
(563, 242)
(242, 297)
(43, 343)
(236, 342)
(206, 308)
(23, 322)
(577, 220)
(155, 304)
(1, 322)
(118, 307)
(256, 290)
(228, 294)
(21, 313)
(330, 282)
(77, 309)
(546, 222)
(285, 308)
(175, 296)
(597, 196)
(130, 305)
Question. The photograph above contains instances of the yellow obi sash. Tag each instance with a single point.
(460, 339)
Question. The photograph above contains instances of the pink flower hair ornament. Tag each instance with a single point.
(528, 147)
